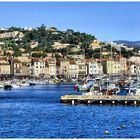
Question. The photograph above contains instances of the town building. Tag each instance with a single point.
(16, 67)
(134, 69)
(37, 67)
(63, 67)
(111, 67)
(50, 66)
(73, 69)
(82, 68)
(94, 68)
(4, 67)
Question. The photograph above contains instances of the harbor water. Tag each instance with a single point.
(36, 112)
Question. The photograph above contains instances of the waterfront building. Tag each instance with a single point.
(73, 69)
(16, 67)
(26, 69)
(133, 69)
(4, 67)
(111, 67)
(82, 68)
(94, 68)
(50, 66)
(37, 67)
(63, 67)
(123, 65)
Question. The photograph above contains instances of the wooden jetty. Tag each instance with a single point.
(104, 99)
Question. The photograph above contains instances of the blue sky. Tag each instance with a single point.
(106, 20)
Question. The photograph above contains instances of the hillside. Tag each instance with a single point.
(135, 44)
(38, 42)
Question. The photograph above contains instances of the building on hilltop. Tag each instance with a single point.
(58, 45)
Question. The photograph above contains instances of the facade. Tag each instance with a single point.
(4, 67)
(95, 68)
(82, 68)
(25, 69)
(37, 67)
(111, 67)
(134, 69)
(123, 65)
(16, 67)
(50, 67)
(73, 69)
(63, 67)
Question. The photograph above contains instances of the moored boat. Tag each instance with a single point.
(8, 87)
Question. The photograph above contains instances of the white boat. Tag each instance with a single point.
(134, 89)
(95, 90)
(1, 85)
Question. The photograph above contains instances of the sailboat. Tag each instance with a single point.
(134, 88)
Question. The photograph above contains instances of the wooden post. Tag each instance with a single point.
(72, 102)
(135, 102)
(88, 101)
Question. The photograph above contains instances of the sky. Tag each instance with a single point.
(107, 21)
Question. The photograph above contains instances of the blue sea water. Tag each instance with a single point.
(36, 112)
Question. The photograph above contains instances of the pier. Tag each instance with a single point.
(104, 99)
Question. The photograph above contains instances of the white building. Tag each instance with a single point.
(58, 45)
(134, 69)
(73, 69)
(50, 66)
(95, 68)
(37, 67)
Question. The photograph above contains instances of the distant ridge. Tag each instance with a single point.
(135, 44)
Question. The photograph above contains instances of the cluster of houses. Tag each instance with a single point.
(70, 67)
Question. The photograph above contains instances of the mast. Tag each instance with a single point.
(100, 61)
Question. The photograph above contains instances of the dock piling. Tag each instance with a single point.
(135, 102)
(101, 102)
(89, 102)
(113, 102)
(72, 102)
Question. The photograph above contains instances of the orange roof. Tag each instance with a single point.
(72, 62)
(16, 61)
